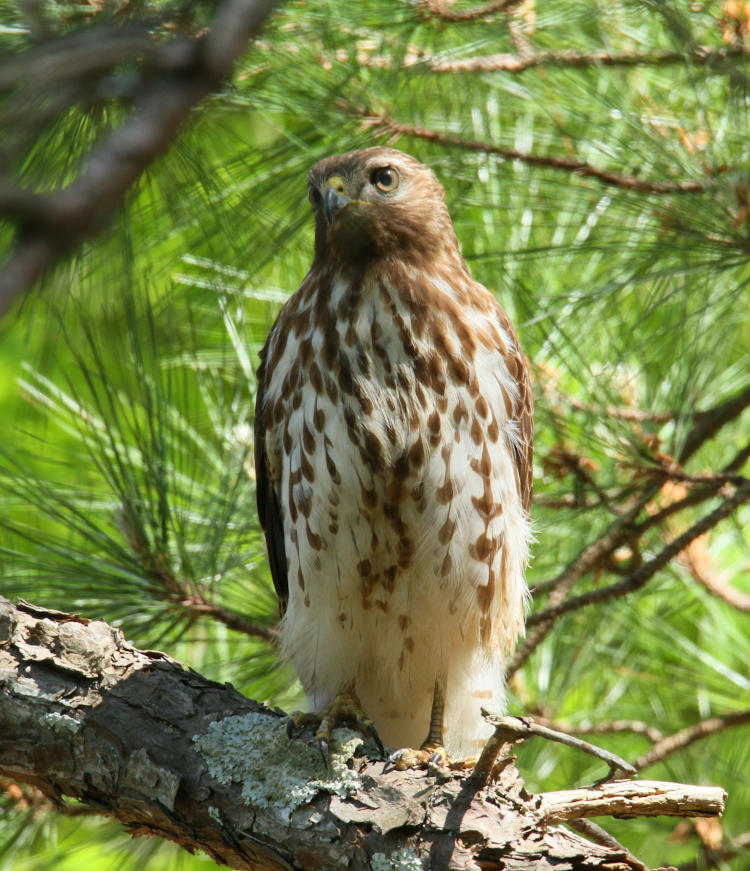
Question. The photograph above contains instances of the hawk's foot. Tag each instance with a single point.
(429, 756)
(344, 710)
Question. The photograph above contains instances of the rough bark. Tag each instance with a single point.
(85, 715)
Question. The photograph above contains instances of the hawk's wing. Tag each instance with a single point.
(524, 449)
(269, 507)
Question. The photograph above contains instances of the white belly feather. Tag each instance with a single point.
(392, 595)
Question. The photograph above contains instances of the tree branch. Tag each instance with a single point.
(510, 63)
(382, 124)
(633, 798)
(444, 13)
(132, 734)
(636, 727)
(689, 735)
(51, 224)
(709, 422)
(230, 619)
(645, 572)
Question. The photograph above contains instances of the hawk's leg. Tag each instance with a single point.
(432, 751)
(344, 710)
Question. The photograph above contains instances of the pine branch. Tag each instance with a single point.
(384, 125)
(645, 572)
(510, 63)
(709, 422)
(623, 529)
(444, 13)
(52, 224)
(689, 735)
(132, 734)
(200, 607)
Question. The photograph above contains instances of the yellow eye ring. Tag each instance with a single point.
(385, 179)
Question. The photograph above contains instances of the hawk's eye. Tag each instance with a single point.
(313, 194)
(385, 179)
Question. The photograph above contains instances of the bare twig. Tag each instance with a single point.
(548, 384)
(383, 124)
(625, 799)
(53, 223)
(624, 528)
(510, 730)
(636, 727)
(672, 743)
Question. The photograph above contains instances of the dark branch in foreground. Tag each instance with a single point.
(51, 224)
(132, 734)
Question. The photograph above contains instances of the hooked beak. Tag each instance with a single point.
(332, 202)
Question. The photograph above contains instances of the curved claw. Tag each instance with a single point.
(439, 758)
(373, 733)
(291, 726)
(323, 747)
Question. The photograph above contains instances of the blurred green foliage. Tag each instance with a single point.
(126, 388)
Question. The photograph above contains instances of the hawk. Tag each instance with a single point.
(393, 451)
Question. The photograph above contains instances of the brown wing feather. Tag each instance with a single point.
(269, 507)
(523, 450)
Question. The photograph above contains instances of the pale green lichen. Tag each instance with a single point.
(254, 750)
(61, 724)
(399, 860)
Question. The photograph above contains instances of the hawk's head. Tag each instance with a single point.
(377, 202)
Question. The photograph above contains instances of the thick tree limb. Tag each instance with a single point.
(134, 735)
(50, 224)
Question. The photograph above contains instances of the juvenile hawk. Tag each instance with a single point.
(393, 447)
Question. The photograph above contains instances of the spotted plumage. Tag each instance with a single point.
(393, 445)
